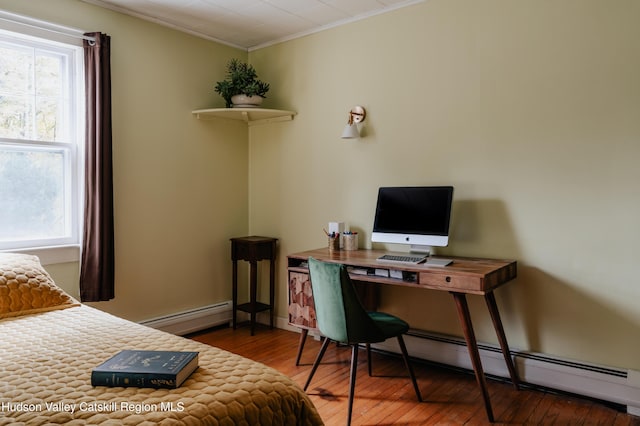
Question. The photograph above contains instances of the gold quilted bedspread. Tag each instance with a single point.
(45, 369)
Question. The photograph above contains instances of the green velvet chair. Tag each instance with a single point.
(342, 318)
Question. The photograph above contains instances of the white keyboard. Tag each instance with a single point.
(401, 259)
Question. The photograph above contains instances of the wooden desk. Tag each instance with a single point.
(464, 276)
(252, 249)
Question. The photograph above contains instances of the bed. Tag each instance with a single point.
(50, 343)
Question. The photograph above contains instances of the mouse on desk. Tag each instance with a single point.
(438, 262)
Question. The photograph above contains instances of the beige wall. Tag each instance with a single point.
(181, 188)
(531, 109)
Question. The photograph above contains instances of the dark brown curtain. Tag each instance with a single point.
(97, 269)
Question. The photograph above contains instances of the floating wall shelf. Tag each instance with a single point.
(251, 116)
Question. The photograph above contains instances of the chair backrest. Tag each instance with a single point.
(340, 315)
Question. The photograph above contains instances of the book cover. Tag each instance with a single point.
(145, 369)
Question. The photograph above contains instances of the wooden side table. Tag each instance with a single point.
(253, 249)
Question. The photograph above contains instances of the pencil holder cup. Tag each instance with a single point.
(350, 241)
(334, 242)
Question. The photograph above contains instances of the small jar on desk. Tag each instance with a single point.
(350, 241)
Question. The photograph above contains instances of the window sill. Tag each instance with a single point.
(52, 255)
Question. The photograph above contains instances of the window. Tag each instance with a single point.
(41, 124)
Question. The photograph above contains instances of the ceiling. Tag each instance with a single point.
(250, 24)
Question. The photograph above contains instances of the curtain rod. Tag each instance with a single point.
(43, 25)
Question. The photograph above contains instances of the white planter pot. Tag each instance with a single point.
(243, 101)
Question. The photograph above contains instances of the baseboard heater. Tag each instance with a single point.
(619, 386)
(193, 320)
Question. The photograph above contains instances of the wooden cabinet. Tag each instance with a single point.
(302, 311)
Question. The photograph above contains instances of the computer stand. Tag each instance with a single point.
(421, 250)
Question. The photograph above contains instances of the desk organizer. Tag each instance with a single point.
(334, 242)
(350, 241)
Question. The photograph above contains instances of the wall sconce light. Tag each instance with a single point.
(356, 115)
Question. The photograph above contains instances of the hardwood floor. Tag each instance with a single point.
(450, 397)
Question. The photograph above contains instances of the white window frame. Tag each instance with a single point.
(67, 248)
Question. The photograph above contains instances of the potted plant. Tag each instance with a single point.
(241, 87)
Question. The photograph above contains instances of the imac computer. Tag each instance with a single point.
(418, 216)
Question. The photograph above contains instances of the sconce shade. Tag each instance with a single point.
(356, 115)
(350, 132)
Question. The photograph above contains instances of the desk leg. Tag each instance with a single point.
(234, 289)
(303, 339)
(254, 292)
(497, 324)
(472, 346)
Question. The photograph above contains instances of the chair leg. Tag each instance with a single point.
(369, 359)
(405, 356)
(352, 380)
(316, 363)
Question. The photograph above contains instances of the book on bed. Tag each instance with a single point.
(145, 369)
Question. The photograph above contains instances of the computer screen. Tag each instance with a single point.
(416, 215)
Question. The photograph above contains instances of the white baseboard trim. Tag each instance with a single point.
(633, 380)
(619, 386)
(193, 320)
